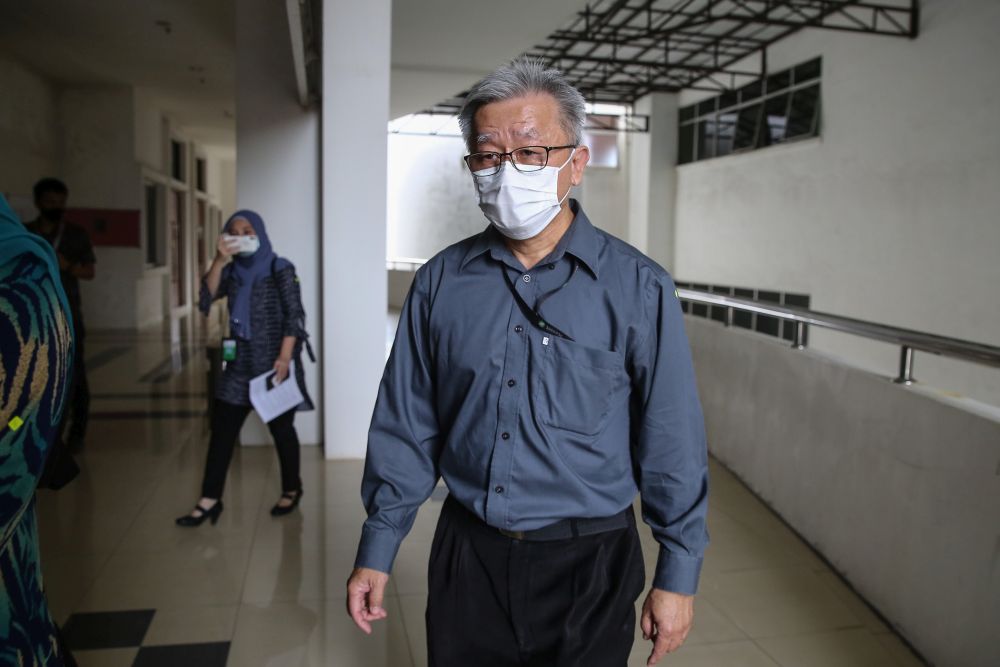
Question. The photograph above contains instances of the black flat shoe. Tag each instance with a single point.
(294, 496)
(189, 520)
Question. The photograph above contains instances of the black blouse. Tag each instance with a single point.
(275, 312)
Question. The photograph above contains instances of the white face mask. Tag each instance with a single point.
(245, 245)
(520, 205)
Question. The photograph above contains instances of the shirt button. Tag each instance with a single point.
(526, 278)
(511, 383)
(498, 489)
(518, 328)
(552, 267)
(505, 436)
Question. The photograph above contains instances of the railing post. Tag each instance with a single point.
(905, 366)
(800, 336)
(729, 316)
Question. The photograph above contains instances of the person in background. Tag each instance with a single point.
(76, 262)
(36, 352)
(267, 324)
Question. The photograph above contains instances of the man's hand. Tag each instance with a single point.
(666, 621)
(365, 590)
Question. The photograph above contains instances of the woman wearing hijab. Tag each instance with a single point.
(36, 346)
(267, 322)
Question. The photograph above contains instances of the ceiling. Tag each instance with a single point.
(182, 51)
(620, 50)
(442, 47)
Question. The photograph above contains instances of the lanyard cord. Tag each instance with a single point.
(534, 315)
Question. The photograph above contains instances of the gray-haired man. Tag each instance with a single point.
(541, 368)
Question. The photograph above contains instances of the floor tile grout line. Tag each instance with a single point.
(131, 524)
(246, 572)
(406, 626)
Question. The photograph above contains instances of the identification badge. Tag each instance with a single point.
(228, 349)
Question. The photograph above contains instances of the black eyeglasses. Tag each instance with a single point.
(526, 159)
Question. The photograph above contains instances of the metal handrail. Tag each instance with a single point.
(908, 339)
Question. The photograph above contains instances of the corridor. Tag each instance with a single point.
(132, 588)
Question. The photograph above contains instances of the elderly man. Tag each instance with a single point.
(541, 368)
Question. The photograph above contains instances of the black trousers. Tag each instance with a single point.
(227, 420)
(77, 410)
(498, 602)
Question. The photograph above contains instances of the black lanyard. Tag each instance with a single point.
(534, 315)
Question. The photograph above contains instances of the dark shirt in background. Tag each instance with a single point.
(72, 242)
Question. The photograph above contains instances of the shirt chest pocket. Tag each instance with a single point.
(576, 386)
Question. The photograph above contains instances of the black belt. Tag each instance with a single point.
(568, 528)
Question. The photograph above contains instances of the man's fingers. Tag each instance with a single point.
(375, 600)
(661, 646)
(356, 608)
(365, 591)
(646, 622)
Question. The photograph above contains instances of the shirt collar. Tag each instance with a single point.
(580, 240)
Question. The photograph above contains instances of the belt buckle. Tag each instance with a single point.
(513, 534)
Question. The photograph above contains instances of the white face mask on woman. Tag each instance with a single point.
(520, 204)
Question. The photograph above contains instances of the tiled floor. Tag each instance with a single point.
(259, 591)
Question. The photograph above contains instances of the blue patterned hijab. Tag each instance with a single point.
(16, 240)
(246, 271)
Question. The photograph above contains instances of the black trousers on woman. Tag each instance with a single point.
(494, 601)
(227, 420)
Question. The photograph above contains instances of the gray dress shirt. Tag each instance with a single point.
(527, 427)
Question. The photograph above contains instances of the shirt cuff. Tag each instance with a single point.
(677, 574)
(377, 549)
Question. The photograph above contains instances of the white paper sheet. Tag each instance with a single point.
(279, 399)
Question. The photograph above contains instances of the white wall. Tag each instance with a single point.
(896, 487)
(356, 39)
(150, 132)
(652, 178)
(97, 130)
(277, 171)
(431, 199)
(892, 215)
(604, 191)
(28, 111)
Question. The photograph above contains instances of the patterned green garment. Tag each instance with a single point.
(35, 349)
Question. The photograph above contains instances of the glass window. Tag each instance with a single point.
(765, 323)
(783, 106)
(707, 130)
(747, 127)
(603, 149)
(699, 309)
(742, 318)
(751, 91)
(177, 160)
(728, 99)
(685, 144)
(725, 132)
(807, 71)
(776, 115)
(199, 174)
(803, 113)
(707, 106)
(718, 313)
(779, 81)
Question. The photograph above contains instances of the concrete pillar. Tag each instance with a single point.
(652, 159)
(356, 69)
(277, 172)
